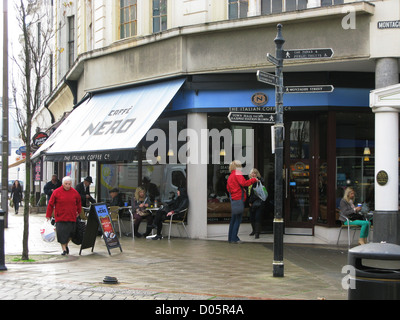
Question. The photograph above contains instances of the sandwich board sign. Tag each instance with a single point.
(99, 216)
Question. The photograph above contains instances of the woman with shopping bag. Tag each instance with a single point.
(235, 186)
(67, 206)
(256, 202)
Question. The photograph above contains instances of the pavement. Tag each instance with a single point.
(175, 269)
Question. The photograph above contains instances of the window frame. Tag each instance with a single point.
(128, 6)
(162, 15)
(241, 5)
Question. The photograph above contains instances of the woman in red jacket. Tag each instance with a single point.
(235, 186)
(67, 204)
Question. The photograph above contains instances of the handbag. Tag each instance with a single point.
(11, 203)
(142, 213)
(355, 216)
(261, 191)
(237, 206)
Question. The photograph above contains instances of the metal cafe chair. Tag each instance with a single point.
(181, 221)
(349, 227)
(115, 217)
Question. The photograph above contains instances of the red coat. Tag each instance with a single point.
(236, 182)
(67, 205)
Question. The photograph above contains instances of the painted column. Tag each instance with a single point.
(386, 216)
(197, 175)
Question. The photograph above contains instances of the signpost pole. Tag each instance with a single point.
(278, 224)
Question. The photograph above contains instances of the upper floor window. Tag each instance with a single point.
(159, 15)
(238, 9)
(128, 18)
(325, 3)
(271, 6)
(71, 41)
(278, 6)
(292, 5)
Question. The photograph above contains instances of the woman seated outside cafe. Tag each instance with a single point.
(140, 204)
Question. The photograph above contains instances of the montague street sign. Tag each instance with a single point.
(308, 89)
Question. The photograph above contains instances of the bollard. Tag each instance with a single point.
(2, 258)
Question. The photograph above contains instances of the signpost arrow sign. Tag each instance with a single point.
(308, 54)
(308, 89)
(252, 117)
(268, 78)
(272, 59)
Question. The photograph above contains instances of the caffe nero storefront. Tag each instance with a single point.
(139, 134)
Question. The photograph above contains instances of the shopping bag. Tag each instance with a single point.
(80, 229)
(261, 191)
(47, 231)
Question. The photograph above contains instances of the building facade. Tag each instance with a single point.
(204, 55)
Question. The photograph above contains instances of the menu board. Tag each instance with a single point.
(99, 216)
(106, 225)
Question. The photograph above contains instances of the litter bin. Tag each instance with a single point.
(376, 272)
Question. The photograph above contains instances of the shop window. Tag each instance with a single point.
(159, 15)
(128, 18)
(354, 133)
(238, 9)
(160, 179)
(227, 148)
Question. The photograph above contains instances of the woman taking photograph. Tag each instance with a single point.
(237, 194)
(350, 211)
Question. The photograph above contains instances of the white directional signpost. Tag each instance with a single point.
(252, 117)
(308, 54)
(277, 81)
(308, 89)
(268, 78)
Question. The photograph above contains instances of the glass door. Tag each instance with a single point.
(298, 178)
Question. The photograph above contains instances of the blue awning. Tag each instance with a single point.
(109, 125)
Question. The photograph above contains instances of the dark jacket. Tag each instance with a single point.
(180, 203)
(80, 187)
(16, 193)
(51, 186)
(117, 201)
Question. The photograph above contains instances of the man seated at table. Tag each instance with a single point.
(175, 207)
(116, 198)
